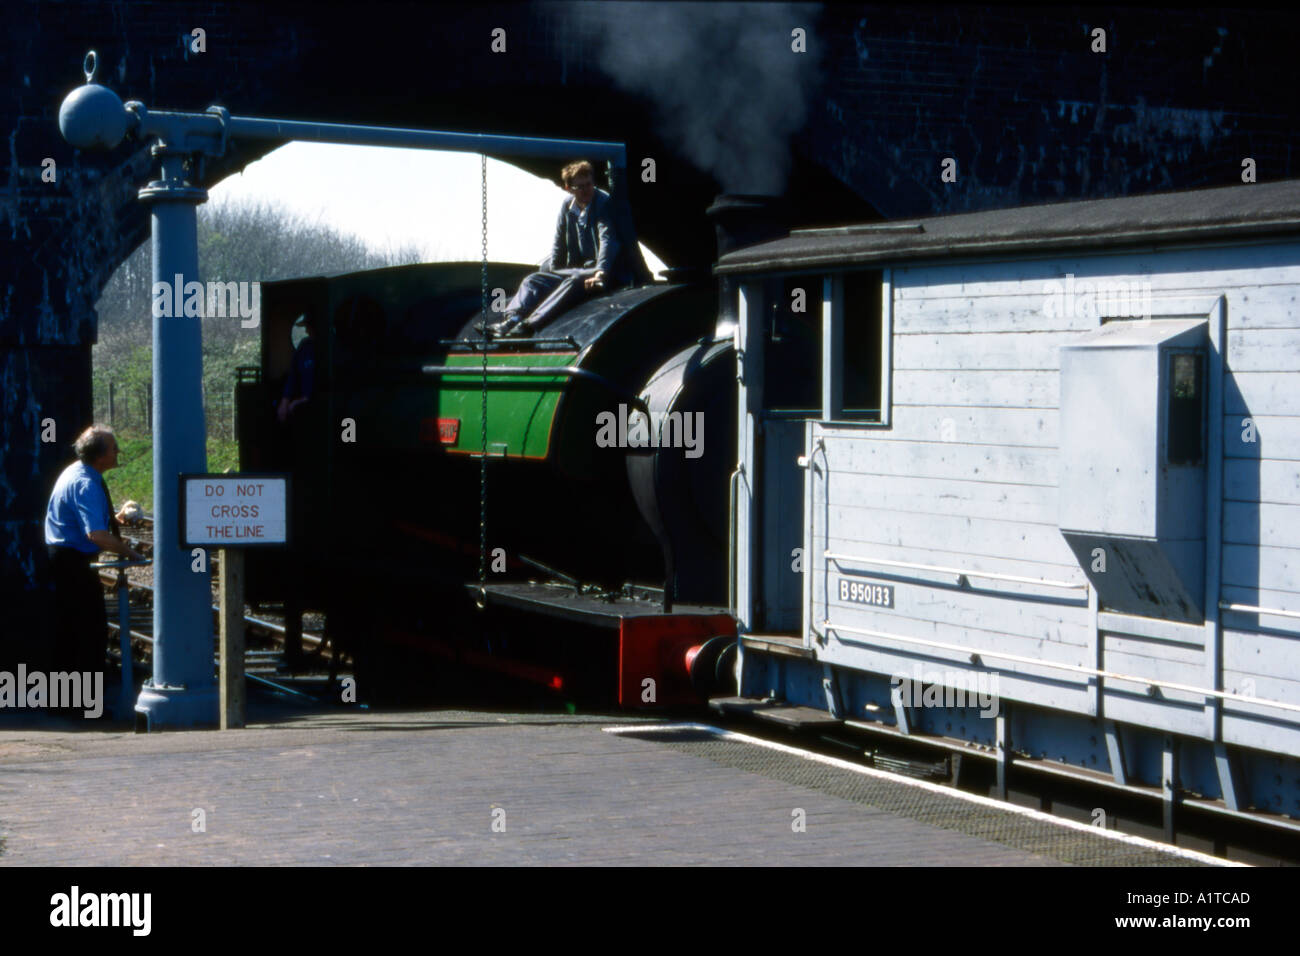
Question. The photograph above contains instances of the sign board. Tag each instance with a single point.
(867, 592)
(234, 511)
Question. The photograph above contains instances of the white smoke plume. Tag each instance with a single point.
(728, 86)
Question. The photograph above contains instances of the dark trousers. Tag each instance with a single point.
(533, 290)
(544, 295)
(80, 619)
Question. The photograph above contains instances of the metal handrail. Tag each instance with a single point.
(475, 345)
(1252, 609)
(1070, 585)
(807, 462)
(1075, 668)
(731, 537)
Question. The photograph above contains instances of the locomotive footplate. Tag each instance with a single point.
(588, 608)
(652, 648)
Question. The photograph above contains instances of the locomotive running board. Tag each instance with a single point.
(563, 602)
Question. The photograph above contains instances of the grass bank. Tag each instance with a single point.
(132, 479)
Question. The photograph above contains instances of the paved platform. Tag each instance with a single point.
(357, 788)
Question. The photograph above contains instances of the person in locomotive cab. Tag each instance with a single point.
(301, 382)
(79, 523)
(589, 255)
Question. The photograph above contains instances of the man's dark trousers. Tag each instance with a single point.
(80, 617)
(544, 295)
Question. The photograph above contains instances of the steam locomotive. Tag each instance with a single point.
(552, 508)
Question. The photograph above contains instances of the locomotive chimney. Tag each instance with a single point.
(738, 221)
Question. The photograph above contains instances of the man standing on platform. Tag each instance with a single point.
(79, 523)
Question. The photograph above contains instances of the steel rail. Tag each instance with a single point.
(253, 622)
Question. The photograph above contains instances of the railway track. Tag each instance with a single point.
(264, 656)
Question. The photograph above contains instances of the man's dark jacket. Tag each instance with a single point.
(616, 251)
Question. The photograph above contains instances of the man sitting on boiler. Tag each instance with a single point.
(588, 255)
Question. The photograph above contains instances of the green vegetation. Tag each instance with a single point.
(237, 243)
(132, 479)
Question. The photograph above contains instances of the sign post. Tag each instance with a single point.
(231, 647)
(233, 512)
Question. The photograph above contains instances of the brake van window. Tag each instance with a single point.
(861, 365)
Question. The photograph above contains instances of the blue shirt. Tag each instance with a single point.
(78, 506)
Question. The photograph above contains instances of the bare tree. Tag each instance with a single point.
(244, 242)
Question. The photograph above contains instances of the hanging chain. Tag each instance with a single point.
(482, 462)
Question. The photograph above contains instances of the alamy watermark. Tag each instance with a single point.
(1121, 298)
(208, 300)
(75, 909)
(948, 689)
(60, 689)
(683, 430)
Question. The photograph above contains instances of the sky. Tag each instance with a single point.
(394, 197)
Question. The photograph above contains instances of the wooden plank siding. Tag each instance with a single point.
(940, 496)
(966, 476)
(1014, 351)
(1005, 546)
(1263, 350)
(1275, 438)
(1274, 392)
(1256, 523)
(1251, 268)
(1274, 481)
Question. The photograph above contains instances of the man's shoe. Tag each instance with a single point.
(505, 327)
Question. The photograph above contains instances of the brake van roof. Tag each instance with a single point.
(1221, 213)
